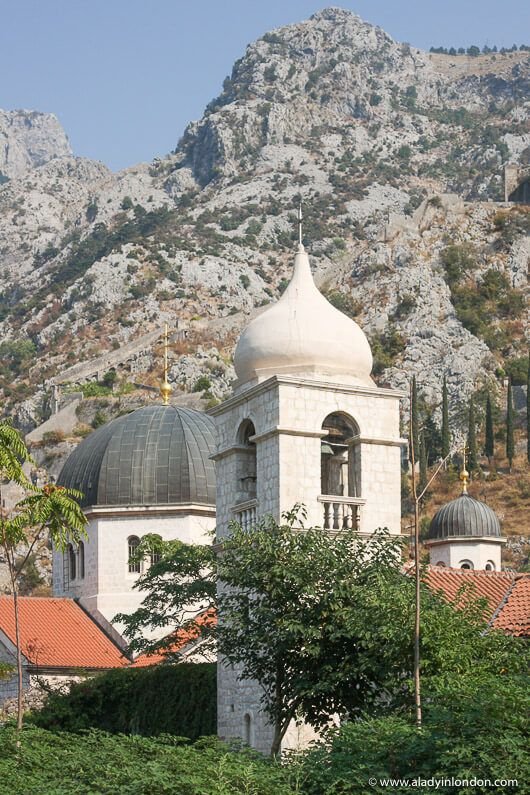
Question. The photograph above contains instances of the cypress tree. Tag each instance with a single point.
(423, 463)
(489, 444)
(510, 442)
(472, 440)
(414, 420)
(446, 434)
(528, 410)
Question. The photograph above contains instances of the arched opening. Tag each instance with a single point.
(81, 558)
(340, 471)
(71, 562)
(521, 195)
(134, 564)
(441, 564)
(490, 566)
(247, 729)
(340, 464)
(466, 564)
(246, 468)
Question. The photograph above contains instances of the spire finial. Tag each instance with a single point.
(300, 244)
(165, 387)
(464, 474)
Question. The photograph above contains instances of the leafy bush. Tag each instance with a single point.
(66, 764)
(53, 437)
(177, 699)
(95, 389)
(202, 383)
(344, 302)
(471, 729)
(458, 259)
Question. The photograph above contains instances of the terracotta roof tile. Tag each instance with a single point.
(57, 633)
(182, 638)
(459, 585)
(507, 594)
(514, 615)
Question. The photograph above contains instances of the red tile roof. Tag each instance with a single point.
(514, 616)
(57, 633)
(507, 594)
(182, 638)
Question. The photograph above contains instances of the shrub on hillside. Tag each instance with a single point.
(177, 699)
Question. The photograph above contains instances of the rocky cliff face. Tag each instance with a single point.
(29, 139)
(398, 157)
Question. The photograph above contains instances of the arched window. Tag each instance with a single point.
(81, 557)
(71, 562)
(133, 542)
(246, 469)
(490, 566)
(441, 564)
(466, 564)
(247, 729)
(340, 459)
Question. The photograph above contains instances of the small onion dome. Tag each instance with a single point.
(464, 517)
(303, 333)
(156, 455)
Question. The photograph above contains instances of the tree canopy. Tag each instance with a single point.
(323, 623)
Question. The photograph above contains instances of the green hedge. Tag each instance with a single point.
(173, 699)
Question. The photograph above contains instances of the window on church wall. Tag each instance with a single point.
(340, 459)
(246, 462)
(247, 729)
(490, 566)
(134, 564)
(466, 564)
(71, 562)
(81, 557)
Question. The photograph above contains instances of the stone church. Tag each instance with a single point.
(305, 424)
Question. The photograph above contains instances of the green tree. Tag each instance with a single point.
(489, 444)
(510, 440)
(423, 463)
(51, 510)
(323, 624)
(446, 433)
(414, 419)
(472, 460)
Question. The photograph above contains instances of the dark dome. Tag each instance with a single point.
(156, 455)
(464, 517)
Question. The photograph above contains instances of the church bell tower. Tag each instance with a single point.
(305, 424)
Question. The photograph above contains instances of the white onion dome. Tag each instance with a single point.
(303, 334)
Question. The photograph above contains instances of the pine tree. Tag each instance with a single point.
(414, 420)
(510, 441)
(528, 411)
(472, 440)
(489, 444)
(446, 434)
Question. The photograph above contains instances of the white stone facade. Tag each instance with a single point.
(107, 584)
(468, 553)
(287, 414)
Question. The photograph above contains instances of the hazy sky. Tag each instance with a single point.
(126, 76)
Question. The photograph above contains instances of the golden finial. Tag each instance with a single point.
(464, 474)
(165, 386)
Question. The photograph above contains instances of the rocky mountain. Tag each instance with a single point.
(398, 157)
(29, 139)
